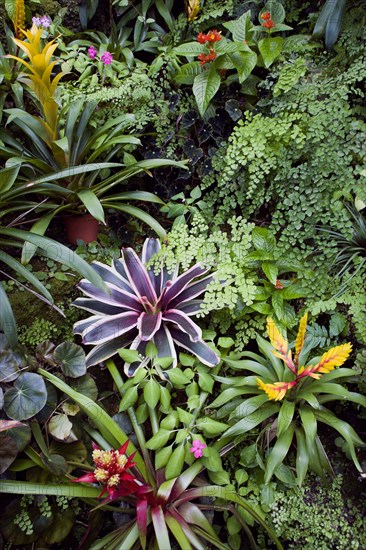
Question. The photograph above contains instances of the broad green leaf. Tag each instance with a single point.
(152, 393)
(71, 359)
(244, 63)
(240, 28)
(190, 49)
(176, 376)
(92, 204)
(205, 87)
(26, 398)
(175, 463)
(270, 49)
(276, 10)
(271, 271)
(129, 355)
(60, 426)
(8, 177)
(210, 427)
(159, 439)
(162, 457)
(129, 398)
(279, 452)
(187, 73)
(136, 212)
(205, 382)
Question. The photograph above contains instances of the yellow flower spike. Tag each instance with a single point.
(192, 9)
(335, 357)
(300, 338)
(277, 340)
(276, 391)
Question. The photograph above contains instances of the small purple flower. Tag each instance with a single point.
(45, 21)
(107, 58)
(92, 52)
(197, 448)
(36, 21)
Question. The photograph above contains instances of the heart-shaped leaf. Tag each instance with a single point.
(9, 369)
(26, 398)
(71, 358)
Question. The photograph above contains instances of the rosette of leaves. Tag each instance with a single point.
(288, 392)
(141, 305)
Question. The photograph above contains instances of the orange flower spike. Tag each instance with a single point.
(269, 24)
(214, 36)
(278, 285)
(300, 338)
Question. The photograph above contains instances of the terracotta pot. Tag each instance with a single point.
(81, 228)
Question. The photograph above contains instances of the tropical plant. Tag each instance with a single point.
(164, 509)
(295, 391)
(143, 305)
(217, 54)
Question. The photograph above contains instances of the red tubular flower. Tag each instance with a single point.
(202, 38)
(211, 37)
(266, 15)
(269, 24)
(206, 58)
(110, 470)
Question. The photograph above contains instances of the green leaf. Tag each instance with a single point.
(152, 393)
(270, 49)
(302, 456)
(263, 239)
(205, 87)
(129, 355)
(244, 63)
(293, 291)
(285, 416)
(26, 398)
(190, 49)
(92, 204)
(129, 398)
(184, 416)
(261, 307)
(241, 476)
(205, 381)
(7, 320)
(60, 426)
(177, 377)
(210, 427)
(162, 457)
(240, 28)
(271, 271)
(187, 73)
(276, 10)
(279, 452)
(277, 304)
(252, 420)
(212, 461)
(159, 439)
(175, 463)
(71, 359)
(73, 490)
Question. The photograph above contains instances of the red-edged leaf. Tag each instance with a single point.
(141, 514)
(161, 530)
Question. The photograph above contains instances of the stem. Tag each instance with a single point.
(153, 420)
(203, 398)
(116, 375)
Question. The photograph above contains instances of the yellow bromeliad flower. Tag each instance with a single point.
(335, 357)
(276, 391)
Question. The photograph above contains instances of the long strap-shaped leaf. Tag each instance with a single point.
(109, 429)
(58, 489)
(161, 530)
(7, 320)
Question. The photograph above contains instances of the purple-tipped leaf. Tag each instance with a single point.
(184, 323)
(164, 344)
(138, 276)
(151, 247)
(201, 350)
(117, 296)
(119, 266)
(94, 306)
(181, 283)
(148, 325)
(141, 515)
(110, 327)
(107, 350)
(192, 291)
(84, 324)
(110, 275)
(191, 308)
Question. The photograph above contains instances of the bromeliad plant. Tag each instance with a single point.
(290, 391)
(143, 306)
